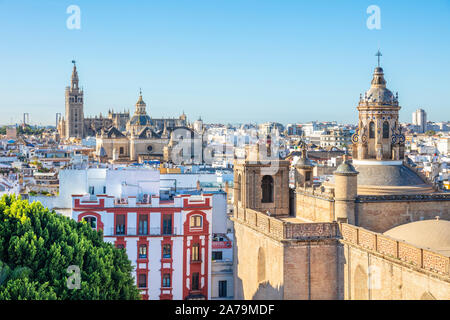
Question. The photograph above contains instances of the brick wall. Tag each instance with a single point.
(385, 245)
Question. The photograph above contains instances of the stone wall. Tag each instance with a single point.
(376, 213)
(275, 259)
(379, 267)
(259, 265)
(282, 230)
(314, 206)
(381, 213)
(312, 270)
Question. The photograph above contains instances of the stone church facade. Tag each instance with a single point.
(378, 230)
(119, 137)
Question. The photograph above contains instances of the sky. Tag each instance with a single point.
(227, 61)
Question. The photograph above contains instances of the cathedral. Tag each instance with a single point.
(120, 138)
(378, 230)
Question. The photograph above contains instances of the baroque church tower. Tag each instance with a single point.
(74, 121)
(379, 135)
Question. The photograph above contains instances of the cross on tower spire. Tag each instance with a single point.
(378, 54)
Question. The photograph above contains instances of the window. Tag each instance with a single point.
(195, 282)
(196, 221)
(92, 221)
(142, 251)
(195, 255)
(307, 176)
(386, 130)
(267, 189)
(222, 288)
(371, 130)
(120, 224)
(104, 189)
(166, 280)
(167, 251)
(217, 255)
(142, 281)
(167, 224)
(143, 224)
(91, 189)
(121, 150)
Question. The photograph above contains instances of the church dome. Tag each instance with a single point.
(140, 120)
(346, 168)
(303, 162)
(140, 117)
(387, 175)
(378, 93)
(140, 101)
(433, 234)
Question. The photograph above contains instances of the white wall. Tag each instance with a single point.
(219, 213)
(177, 273)
(154, 265)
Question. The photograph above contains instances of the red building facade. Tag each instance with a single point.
(168, 242)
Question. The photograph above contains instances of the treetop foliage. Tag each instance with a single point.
(37, 246)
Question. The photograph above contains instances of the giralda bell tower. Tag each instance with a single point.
(74, 108)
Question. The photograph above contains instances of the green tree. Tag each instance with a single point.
(37, 246)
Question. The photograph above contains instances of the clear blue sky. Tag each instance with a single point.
(224, 60)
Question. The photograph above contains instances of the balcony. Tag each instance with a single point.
(122, 231)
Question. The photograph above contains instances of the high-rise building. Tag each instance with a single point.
(419, 119)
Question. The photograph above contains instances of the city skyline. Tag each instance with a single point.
(289, 63)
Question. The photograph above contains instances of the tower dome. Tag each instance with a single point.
(378, 93)
(140, 118)
(379, 135)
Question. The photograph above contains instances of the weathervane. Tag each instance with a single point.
(378, 55)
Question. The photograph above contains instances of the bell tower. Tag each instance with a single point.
(261, 181)
(379, 135)
(74, 121)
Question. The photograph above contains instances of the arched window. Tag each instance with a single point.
(267, 189)
(92, 221)
(196, 221)
(386, 130)
(371, 130)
